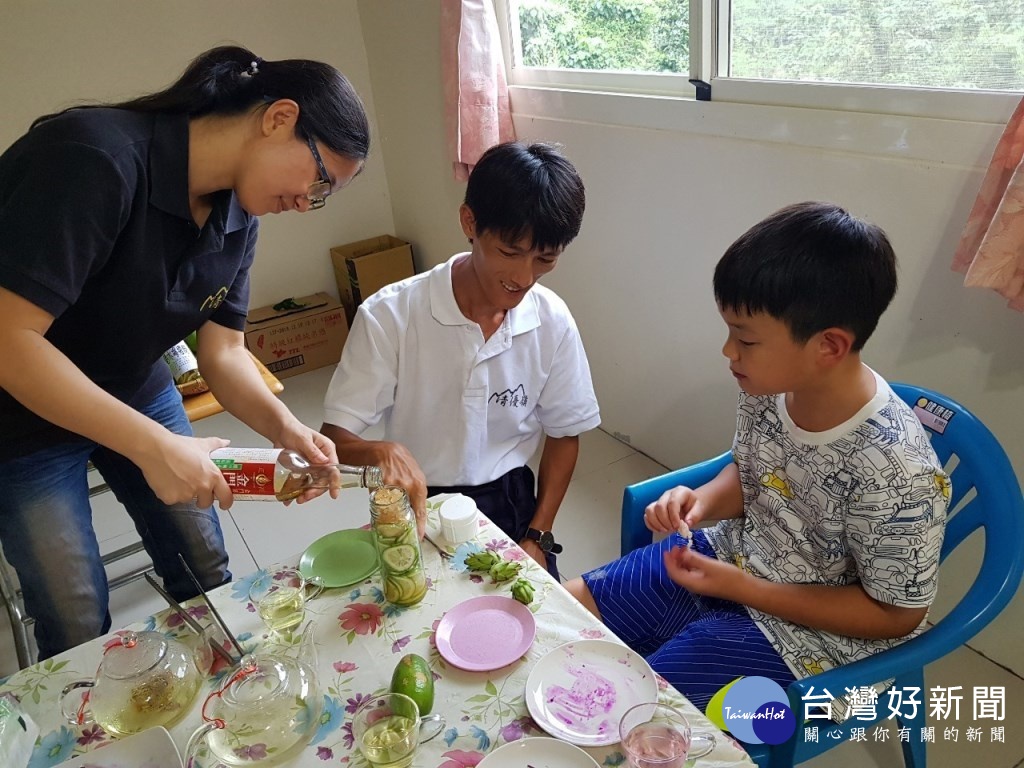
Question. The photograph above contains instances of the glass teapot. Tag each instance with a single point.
(144, 680)
(266, 712)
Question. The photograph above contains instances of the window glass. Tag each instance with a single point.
(967, 44)
(604, 35)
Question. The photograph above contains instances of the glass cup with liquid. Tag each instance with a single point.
(280, 598)
(658, 736)
(388, 729)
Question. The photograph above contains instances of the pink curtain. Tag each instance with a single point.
(991, 250)
(475, 89)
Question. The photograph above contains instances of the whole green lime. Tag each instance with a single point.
(412, 676)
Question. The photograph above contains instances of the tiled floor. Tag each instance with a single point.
(258, 534)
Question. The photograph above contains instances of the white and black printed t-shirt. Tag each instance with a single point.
(863, 502)
(469, 410)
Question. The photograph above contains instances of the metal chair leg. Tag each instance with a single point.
(19, 621)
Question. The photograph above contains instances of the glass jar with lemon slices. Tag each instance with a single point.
(398, 544)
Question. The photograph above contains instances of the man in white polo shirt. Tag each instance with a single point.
(472, 364)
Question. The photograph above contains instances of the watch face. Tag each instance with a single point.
(546, 541)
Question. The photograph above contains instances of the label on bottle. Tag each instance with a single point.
(182, 363)
(249, 472)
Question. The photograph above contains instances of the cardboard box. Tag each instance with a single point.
(363, 268)
(292, 341)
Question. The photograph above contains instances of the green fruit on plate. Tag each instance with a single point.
(412, 676)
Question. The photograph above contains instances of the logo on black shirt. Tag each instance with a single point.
(214, 300)
(510, 398)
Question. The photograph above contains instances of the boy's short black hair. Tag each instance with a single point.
(813, 266)
(527, 190)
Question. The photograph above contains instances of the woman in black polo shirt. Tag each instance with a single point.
(122, 229)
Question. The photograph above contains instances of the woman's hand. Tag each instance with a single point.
(317, 448)
(179, 470)
(704, 575)
(679, 503)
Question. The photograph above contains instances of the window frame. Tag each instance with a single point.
(709, 47)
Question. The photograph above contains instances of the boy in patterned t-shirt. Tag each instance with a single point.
(834, 505)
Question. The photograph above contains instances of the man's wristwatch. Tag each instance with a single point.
(545, 540)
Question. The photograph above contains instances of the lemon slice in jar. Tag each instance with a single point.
(399, 559)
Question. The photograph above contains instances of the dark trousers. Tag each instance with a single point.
(509, 502)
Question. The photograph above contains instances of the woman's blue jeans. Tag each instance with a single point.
(47, 534)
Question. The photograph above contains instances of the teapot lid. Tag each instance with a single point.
(264, 679)
(132, 654)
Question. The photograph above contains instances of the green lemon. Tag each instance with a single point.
(412, 676)
(399, 559)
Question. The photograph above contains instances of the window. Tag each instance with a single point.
(975, 44)
(820, 53)
(609, 35)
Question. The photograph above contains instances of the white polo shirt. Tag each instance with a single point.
(468, 410)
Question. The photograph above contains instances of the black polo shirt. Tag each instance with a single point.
(96, 229)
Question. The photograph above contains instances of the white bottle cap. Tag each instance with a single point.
(458, 519)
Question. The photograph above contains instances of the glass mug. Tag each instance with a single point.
(280, 598)
(658, 736)
(388, 728)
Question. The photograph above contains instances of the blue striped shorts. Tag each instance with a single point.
(699, 644)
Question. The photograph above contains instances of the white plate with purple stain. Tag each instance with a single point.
(579, 691)
(538, 752)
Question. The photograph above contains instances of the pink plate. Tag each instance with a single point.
(485, 633)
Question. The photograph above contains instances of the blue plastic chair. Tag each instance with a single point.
(998, 507)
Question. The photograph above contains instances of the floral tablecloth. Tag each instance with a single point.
(359, 638)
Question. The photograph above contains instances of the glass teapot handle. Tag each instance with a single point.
(196, 740)
(307, 648)
(82, 715)
(431, 726)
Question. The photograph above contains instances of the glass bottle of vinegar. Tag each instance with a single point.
(398, 544)
(277, 474)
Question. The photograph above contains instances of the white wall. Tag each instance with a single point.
(54, 53)
(663, 203)
(405, 68)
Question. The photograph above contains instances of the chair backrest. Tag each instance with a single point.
(986, 495)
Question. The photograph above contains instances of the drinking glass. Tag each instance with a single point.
(658, 736)
(280, 598)
(387, 730)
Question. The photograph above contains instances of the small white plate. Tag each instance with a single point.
(579, 691)
(151, 748)
(538, 752)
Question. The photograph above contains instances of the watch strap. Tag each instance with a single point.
(537, 535)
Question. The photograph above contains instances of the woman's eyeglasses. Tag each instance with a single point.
(319, 190)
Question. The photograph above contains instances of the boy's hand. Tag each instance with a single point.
(704, 575)
(680, 503)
